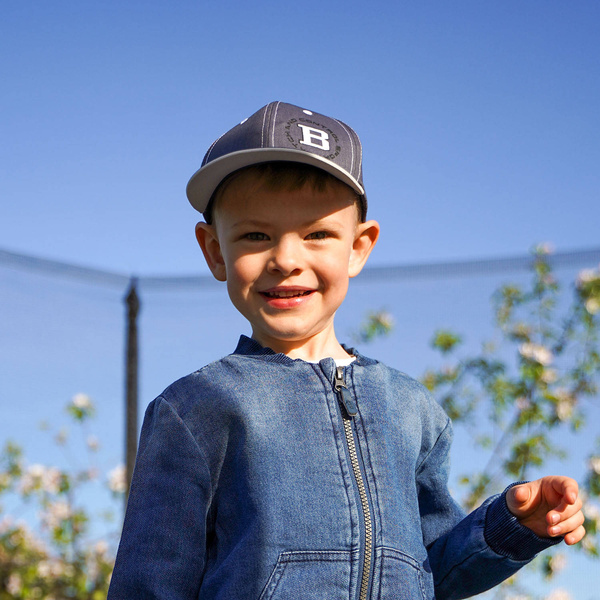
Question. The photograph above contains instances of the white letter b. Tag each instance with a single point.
(314, 137)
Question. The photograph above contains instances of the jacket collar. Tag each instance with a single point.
(249, 347)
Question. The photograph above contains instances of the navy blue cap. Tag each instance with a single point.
(281, 132)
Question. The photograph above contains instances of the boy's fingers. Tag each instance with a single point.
(567, 525)
(518, 498)
(563, 512)
(575, 536)
(567, 488)
(521, 493)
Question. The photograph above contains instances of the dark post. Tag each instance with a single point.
(131, 384)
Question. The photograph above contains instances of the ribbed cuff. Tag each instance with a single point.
(506, 536)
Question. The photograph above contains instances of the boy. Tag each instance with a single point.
(296, 468)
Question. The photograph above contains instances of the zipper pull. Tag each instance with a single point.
(344, 395)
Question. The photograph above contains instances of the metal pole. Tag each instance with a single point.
(131, 384)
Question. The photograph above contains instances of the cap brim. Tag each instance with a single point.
(205, 181)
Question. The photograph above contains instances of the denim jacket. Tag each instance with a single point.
(261, 477)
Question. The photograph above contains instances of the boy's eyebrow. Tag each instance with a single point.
(252, 223)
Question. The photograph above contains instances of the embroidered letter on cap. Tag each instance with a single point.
(314, 137)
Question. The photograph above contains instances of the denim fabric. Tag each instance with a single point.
(243, 489)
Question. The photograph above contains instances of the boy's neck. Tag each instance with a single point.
(312, 350)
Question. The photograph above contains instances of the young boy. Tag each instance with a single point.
(297, 468)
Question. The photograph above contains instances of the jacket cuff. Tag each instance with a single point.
(506, 536)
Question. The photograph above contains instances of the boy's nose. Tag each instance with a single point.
(285, 258)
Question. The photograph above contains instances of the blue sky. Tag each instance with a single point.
(479, 120)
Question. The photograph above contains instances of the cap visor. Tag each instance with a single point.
(205, 181)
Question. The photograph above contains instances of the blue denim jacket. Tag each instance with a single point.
(261, 477)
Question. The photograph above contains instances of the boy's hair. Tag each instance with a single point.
(283, 175)
(281, 132)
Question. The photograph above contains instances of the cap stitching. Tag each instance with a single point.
(262, 131)
(273, 127)
(212, 147)
(351, 146)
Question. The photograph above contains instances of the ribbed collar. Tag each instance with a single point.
(249, 347)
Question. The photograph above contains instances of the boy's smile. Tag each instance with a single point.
(287, 257)
(285, 297)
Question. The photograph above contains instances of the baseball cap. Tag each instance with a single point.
(281, 132)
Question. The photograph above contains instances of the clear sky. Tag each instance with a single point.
(479, 120)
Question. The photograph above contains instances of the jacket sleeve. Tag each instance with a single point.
(162, 548)
(469, 554)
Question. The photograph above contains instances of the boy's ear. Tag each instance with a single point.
(365, 239)
(209, 242)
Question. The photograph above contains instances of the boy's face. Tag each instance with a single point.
(287, 257)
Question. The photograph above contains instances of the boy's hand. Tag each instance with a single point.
(549, 506)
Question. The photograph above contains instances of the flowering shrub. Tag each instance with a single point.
(528, 386)
(53, 558)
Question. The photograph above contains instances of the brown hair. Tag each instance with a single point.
(282, 175)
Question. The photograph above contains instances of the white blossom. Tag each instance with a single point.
(559, 594)
(385, 319)
(93, 443)
(51, 568)
(32, 479)
(549, 375)
(587, 543)
(592, 305)
(544, 248)
(92, 473)
(6, 523)
(594, 463)
(536, 352)
(585, 276)
(557, 562)
(51, 480)
(101, 547)
(14, 585)
(82, 401)
(116, 480)
(36, 471)
(55, 514)
(592, 513)
(564, 407)
(44, 569)
(564, 410)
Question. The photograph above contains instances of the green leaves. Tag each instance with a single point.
(445, 341)
(518, 393)
(377, 324)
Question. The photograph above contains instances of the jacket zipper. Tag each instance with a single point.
(349, 411)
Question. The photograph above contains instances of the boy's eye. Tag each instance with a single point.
(318, 235)
(256, 236)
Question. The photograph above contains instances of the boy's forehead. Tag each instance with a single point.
(250, 199)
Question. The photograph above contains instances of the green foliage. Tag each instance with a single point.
(530, 384)
(445, 341)
(54, 557)
(377, 324)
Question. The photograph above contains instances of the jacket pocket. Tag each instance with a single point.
(310, 576)
(399, 576)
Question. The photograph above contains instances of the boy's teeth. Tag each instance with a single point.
(284, 294)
